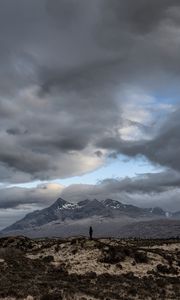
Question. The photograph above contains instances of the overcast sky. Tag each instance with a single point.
(89, 103)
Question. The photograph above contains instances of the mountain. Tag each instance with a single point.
(68, 216)
(134, 211)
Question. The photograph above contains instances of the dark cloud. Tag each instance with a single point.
(140, 16)
(65, 69)
(66, 13)
(99, 153)
(162, 149)
(40, 196)
(145, 184)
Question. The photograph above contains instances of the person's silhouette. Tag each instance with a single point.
(90, 232)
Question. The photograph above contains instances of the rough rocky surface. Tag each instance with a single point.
(78, 268)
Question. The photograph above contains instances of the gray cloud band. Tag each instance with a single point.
(159, 189)
(62, 65)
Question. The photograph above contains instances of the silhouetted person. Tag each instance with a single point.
(90, 232)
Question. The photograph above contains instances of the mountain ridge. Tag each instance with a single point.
(65, 211)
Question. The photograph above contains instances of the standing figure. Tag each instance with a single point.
(90, 232)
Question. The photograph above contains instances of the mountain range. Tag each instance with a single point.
(108, 217)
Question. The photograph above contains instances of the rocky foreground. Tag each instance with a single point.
(78, 268)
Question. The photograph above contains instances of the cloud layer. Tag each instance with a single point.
(84, 80)
(63, 65)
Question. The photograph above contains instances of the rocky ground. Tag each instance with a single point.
(77, 268)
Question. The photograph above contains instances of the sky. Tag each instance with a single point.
(89, 103)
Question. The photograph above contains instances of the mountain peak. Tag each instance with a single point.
(87, 202)
(112, 203)
(59, 203)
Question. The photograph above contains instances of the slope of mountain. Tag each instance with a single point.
(65, 213)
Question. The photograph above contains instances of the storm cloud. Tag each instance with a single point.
(82, 81)
(161, 149)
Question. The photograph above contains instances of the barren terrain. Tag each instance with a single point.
(78, 268)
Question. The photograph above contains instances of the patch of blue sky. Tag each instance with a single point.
(167, 98)
(114, 168)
